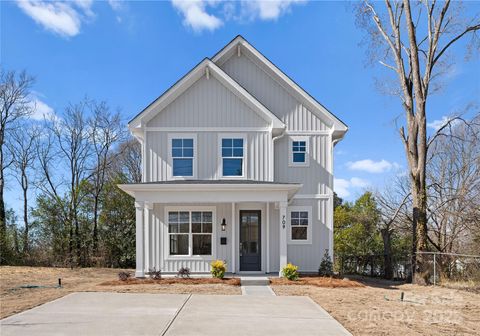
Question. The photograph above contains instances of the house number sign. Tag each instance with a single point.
(283, 221)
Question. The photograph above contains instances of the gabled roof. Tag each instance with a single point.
(240, 42)
(204, 67)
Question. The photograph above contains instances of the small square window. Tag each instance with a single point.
(299, 153)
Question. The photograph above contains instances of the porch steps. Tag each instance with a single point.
(254, 281)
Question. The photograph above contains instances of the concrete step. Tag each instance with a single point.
(254, 281)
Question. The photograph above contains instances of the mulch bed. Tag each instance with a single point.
(318, 282)
(169, 281)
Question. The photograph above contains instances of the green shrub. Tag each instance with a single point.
(290, 272)
(219, 267)
(326, 266)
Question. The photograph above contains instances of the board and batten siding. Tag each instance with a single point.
(257, 155)
(317, 178)
(309, 256)
(207, 103)
(159, 236)
(251, 75)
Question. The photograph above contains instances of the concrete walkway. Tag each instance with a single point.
(173, 314)
(254, 285)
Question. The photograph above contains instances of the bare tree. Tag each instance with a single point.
(128, 161)
(23, 151)
(413, 43)
(454, 186)
(67, 143)
(106, 131)
(15, 104)
(393, 203)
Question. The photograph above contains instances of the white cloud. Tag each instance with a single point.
(371, 166)
(343, 187)
(437, 124)
(61, 17)
(270, 10)
(212, 14)
(41, 110)
(196, 16)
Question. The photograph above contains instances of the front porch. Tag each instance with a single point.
(190, 223)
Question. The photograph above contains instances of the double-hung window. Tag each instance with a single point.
(190, 233)
(299, 151)
(182, 156)
(233, 151)
(300, 225)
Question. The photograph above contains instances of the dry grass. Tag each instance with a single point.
(326, 282)
(375, 308)
(170, 281)
(14, 299)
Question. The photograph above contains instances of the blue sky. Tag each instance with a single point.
(127, 53)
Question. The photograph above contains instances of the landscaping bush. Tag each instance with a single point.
(326, 266)
(154, 274)
(124, 276)
(183, 272)
(219, 267)
(290, 272)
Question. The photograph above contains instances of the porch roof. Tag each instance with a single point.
(215, 191)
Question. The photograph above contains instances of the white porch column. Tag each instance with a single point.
(234, 245)
(283, 235)
(147, 238)
(139, 248)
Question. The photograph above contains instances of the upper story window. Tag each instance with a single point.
(299, 151)
(300, 225)
(233, 159)
(182, 150)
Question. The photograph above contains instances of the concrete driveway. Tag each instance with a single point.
(173, 314)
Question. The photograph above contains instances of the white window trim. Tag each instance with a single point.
(220, 158)
(307, 151)
(170, 158)
(309, 227)
(190, 256)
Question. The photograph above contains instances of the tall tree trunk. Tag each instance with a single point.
(26, 246)
(95, 225)
(387, 253)
(3, 220)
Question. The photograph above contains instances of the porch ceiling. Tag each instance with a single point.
(211, 191)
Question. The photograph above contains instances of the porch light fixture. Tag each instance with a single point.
(224, 225)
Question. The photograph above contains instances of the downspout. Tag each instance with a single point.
(272, 161)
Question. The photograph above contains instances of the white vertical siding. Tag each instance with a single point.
(308, 256)
(317, 177)
(257, 155)
(159, 231)
(294, 113)
(207, 103)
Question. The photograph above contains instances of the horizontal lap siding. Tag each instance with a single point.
(295, 114)
(207, 103)
(258, 149)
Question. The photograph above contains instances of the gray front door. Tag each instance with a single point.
(250, 258)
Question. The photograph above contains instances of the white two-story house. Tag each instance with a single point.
(237, 165)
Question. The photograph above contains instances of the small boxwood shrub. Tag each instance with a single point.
(124, 276)
(219, 267)
(290, 272)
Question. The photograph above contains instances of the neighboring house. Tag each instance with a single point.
(237, 165)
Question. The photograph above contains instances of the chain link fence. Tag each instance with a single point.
(452, 269)
(446, 269)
